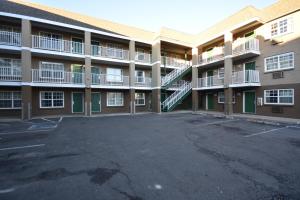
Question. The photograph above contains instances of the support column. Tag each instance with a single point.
(132, 75)
(87, 71)
(26, 70)
(156, 77)
(228, 108)
(195, 95)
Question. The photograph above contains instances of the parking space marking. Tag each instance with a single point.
(22, 147)
(27, 131)
(218, 122)
(263, 132)
(48, 120)
(7, 190)
(60, 119)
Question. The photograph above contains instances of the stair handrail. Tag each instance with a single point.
(173, 74)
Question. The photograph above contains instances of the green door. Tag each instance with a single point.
(249, 102)
(210, 78)
(77, 106)
(210, 102)
(248, 67)
(96, 103)
(77, 75)
(95, 75)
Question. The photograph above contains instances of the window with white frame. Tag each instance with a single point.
(10, 67)
(115, 99)
(139, 76)
(281, 27)
(140, 54)
(10, 100)
(221, 97)
(279, 96)
(114, 75)
(114, 50)
(51, 35)
(221, 72)
(51, 99)
(52, 70)
(140, 99)
(279, 62)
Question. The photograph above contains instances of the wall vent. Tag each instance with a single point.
(277, 75)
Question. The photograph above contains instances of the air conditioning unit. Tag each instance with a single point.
(277, 75)
(277, 109)
(276, 41)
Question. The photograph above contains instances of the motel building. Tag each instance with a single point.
(55, 62)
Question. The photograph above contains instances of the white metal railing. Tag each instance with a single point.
(176, 85)
(52, 44)
(174, 62)
(143, 57)
(109, 52)
(214, 55)
(210, 81)
(10, 38)
(173, 75)
(245, 76)
(109, 80)
(244, 45)
(141, 81)
(177, 95)
(57, 77)
(10, 74)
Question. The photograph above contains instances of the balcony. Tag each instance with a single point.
(144, 58)
(109, 81)
(108, 52)
(210, 82)
(245, 78)
(57, 78)
(10, 38)
(212, 57)
(175, 63)
(9, 74)
(245, 48)
(58, 45)
(142, 82)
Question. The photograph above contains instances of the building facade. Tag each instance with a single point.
(54, 62)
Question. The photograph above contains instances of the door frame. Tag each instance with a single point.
(98, 102)
(244, 101)
(206, 101)
(73, 102)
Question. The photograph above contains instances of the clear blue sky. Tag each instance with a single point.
(191, 16)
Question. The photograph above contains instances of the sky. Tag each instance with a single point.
(190, 16)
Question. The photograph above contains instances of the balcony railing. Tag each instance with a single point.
(109, 80)
(143, 58)
(108, 52)
(10, 74)
(52, 44)
(174, 62)
(216, 54)
(57, 77)
(245, 77)
(211, 82)
(10, 38)
(141, 81)
(245, 45)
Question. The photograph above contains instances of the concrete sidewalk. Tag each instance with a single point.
(256, 118)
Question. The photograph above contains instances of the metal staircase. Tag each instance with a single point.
(183, 91)
(175, 75)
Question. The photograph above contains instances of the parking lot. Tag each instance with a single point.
(149, 157)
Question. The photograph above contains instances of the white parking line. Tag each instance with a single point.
(28, 131)
(263, 132)
(218, 122)
(7, 190)
(22, 147)
(60, 119)
(48, 120)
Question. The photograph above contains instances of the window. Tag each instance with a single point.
(115, 99)
(51, 99)
(221, 73)
(281, 27)
(140, 99)
(51, 70)
(114, 50)
(140, 54)
(279, 96)
(279, 62)
(10, 100)
(53, 36)
(139, 76)
(221, 97)
(10, 67)
(114, 75)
